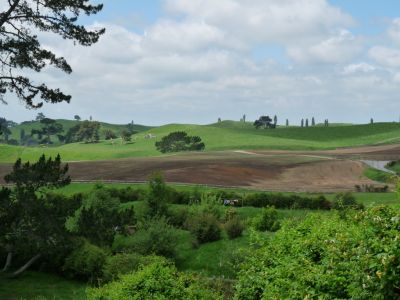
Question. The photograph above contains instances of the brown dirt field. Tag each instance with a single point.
(310, 171)
(383, 152)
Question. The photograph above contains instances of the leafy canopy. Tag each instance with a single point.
(179, 141)
(20, 50)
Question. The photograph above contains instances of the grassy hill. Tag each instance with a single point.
(67, 124)
(227, 135)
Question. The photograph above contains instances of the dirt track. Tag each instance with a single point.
(312, 171)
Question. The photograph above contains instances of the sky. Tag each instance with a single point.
(194, 61)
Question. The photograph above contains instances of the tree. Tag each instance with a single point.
(306, 122)
(179, 141)
(22, 135)
(49, 128)
(5, 128)
(244, 118)
(275, 120)
(109, 134)
(126, 135)
(86, 131)
(40, 116)
(77, 118)
(100, 217)
(263, 122)
(372, 121)
(21, 51)
(313, 121)
(287, 122)
(131, 128)
(302, 122)
(31, 221)
(157, 196)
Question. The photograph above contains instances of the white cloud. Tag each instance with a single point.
(339, 48)
(199, 66)
(394, 30)
(358, 68)
(267, 21)
(388, 57)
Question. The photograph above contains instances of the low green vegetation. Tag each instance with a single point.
(354, 255)
(394, 166)
(127, 242)
(40, 286)
(221, 136)
(378, 175)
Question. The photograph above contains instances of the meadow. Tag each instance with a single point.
(227, 135)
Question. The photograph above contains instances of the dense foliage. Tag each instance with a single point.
(179, 141)
(155, 281)
(267, 220)
(86, 131)
(204, 227)
(356, 257)
(100, 217)
(154, 236)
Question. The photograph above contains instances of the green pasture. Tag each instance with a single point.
(227, 135)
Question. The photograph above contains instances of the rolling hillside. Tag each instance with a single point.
(67, 124)
(227, 135)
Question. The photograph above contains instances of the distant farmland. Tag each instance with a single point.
(227, 135)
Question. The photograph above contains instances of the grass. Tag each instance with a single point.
(395, 167)
(33, 285)
(226, 135)
(378, 175)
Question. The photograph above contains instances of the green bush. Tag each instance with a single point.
(155, 281)
(286, 201)
(100, 217)
(85, 262)
(126, 263)
(267, 220)
(204, 227)
(327, 257)
(177, 216)
(154, 236)
(234, 227)
(156, 199)
(345, 201)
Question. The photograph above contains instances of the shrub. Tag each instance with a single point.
(234, 228)
(155, 281)
(177, 217)
(157, 196)
(346, 201)
(204, 227)
(154, 236)
(327, 257)
(267, 220)
(99, 217)
(127, 194)
(85, 261)
(125, 263)
(286, 201)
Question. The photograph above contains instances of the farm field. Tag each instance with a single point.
(227, 135)
(292, 171)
